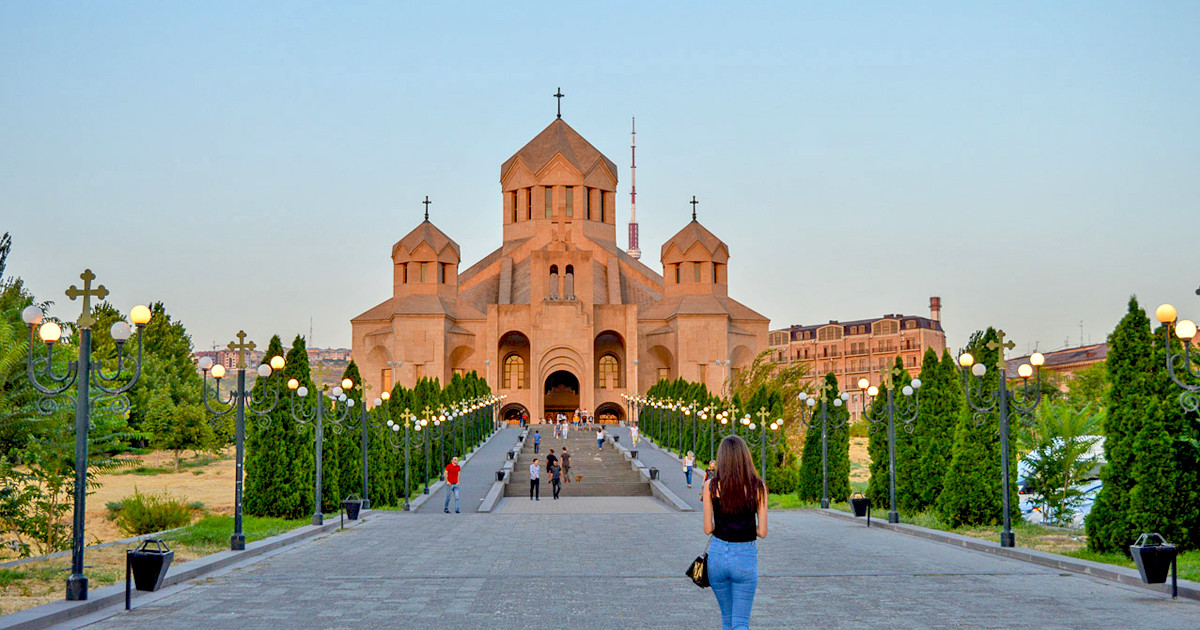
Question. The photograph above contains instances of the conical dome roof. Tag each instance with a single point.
(691, 234)
(557, 138)
(426, 232)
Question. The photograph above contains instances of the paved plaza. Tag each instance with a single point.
(600, 571)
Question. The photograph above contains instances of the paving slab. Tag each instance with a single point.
(602, 571)
(477, 474)
(583, 505)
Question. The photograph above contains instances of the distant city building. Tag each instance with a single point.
(329, 354)
(229, 358)
(1066, 361)
(862, 348)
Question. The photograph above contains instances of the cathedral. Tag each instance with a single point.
(559, 317)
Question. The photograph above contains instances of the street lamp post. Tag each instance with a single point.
(1179, 364)
(768, 435)
(409, 421)
(241, 401)
(1022, 401)
(811, 403)
(315, 418)
(83, 373)
(907, 416)
(364, 420)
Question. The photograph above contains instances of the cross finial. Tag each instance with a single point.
(559, 95)
(998, 344)
(87, 292)
(427, 202)
(693, 202)
(241, 347)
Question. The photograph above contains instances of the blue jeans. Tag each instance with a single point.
(733, 575)
(453, 488)
(688, 473)
(600, 444)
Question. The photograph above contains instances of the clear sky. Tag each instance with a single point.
(1034, 164)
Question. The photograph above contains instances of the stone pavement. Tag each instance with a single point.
(583, 505)
(477, 475)
(603, 571)
(670, 468)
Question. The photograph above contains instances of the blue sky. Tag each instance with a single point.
(1033, 164)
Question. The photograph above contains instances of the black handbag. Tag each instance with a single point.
(698, 569)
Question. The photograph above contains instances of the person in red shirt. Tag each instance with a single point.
(452, 470)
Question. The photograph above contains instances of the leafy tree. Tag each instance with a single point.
(1058, 458)
(350, 445)
(279, 457)
(1089, 386)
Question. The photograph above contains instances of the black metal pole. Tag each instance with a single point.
(319, 517)
(237, 541)
(893, 515)
(1007, 539)
(77, 583)
(407, 481)
(824, 455)
(428, 440)
(366, 501)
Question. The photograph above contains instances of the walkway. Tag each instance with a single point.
(477, 475)
(670, 469)
(601, 571)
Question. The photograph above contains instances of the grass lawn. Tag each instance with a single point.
(44, 581)
(1062, 541)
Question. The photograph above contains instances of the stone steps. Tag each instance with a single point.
(602, 473)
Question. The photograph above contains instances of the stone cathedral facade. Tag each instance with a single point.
(559, 317)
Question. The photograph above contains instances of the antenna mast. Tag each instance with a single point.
(634, 250)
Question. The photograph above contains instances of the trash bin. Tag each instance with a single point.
(352, 504)
(521, 438)
(859, 504)
(512, 454)
(633, 454)
(500, 475)
(1153, 559)
(616, 439)
(654, 473)
(149, 566)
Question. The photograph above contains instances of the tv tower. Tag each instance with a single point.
(633, 250)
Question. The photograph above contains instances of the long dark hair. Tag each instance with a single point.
(738, 484)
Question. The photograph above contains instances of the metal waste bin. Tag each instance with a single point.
(1154, 559)
(653, 473)
(633, 454)
(352, 504)
(500, 475)
(148, 567)
(860, 504)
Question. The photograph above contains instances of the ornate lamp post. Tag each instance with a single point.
(1179, 364)
(409, 421)
(364, 423)
(424, 430)
(315, 418)
(811, 403)
(1021, 400)
(82, 373)
(241, 401)
(905, 414)
(771, 435)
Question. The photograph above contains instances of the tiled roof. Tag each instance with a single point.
(1060, 359)
(557, 138)
(922, 322)
(692, 233)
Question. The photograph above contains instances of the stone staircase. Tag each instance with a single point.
(603, 473)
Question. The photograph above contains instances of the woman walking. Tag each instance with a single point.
(689, 463)
(735, 514)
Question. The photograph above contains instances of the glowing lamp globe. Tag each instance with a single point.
(1185, 329)
(385, 395)
(863, 383)
(1037, 359)
(347, 383)
(139, 315)
(277, 362)
(218, 371)
(966, 360)
(293, 383)
(50, 332)
(1025, 371)
(1165, 314)
(872, 391)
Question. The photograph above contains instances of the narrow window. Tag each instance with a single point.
(385, 377)
(664, 374)
(513, 204)
(529, 203)
(549, 202)
(677, 273)
(514, 372)
(696, 272)
(403, 273)
(609, 372)
(587, 203)
(423, 267)
(570, 201)
(716, 272)
(603, 206)
(569, 282)
(553, 282)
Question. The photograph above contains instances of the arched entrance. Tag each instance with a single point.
(512, 412)
(610, 413)
(561, 394)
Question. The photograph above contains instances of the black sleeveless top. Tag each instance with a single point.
(735, 528)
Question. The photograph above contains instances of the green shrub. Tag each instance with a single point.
(11, 576)
(148, 513)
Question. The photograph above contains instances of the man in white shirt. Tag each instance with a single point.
(535, 481)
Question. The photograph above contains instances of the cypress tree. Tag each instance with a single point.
(274, 483)
(350, 443)
(808, 486)
(877, 484)
(1129, 361)
(941, 402)
(908, 448)
(971, 488)
(1183, 430)
(837, 445)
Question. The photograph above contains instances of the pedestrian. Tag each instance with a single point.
(452, 470)
(565, 426)
(735, 515)
(633, 434)
(551, 459)
(555, 477)
(566, 464)
(535, 481)
(599, 438)
(689, 462)
(537, 441)
(708, 474)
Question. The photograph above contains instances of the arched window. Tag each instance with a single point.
(553, 282)
(514, 372)
(569, 282)
(610, 373)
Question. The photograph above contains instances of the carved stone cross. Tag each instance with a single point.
(998, 344)
(87, 293)
(241, 347)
